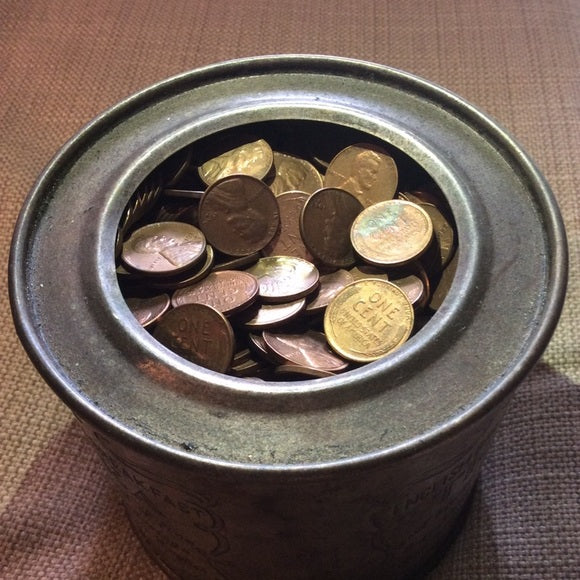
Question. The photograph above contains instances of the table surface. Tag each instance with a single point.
(62, 62)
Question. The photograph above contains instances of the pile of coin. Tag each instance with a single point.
(261, 263)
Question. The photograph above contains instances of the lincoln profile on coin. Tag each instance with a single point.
(366, 167)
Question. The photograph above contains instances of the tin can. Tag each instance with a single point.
(361, 475)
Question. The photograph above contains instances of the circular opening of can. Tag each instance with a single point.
(286, 250)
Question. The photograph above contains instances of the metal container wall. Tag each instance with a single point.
(362, 475)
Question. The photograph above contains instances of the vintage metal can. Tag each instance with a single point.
(362, 475)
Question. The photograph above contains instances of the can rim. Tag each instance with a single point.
(554, 297)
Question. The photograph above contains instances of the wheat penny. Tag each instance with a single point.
(294, 174)
(391, 233)
(228, 291)
(239, 215)
(148, 310)
(325, 225)
(164, 248)
(284, 278)
(368, 319)
(367, 171)
(254, 158)
(198, 333)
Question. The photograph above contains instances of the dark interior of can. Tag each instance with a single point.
(315, 141)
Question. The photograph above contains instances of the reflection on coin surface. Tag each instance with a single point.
(198, 333)
(308, 349)
(284, 278)
(229, 291)
(271, 315)
(148, 310)
(253, 159)
(330, 285)
(164, 248)
(325, 226)
(239, 215)
(298, 372)
(368, 319)
(294, 174)
(287, 240)
(367, 171)
(391, 233)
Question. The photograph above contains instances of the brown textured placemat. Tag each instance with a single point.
(62, 62)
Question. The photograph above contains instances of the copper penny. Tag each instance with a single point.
(288, 240)
(164, 248)
(330, 285)
(308, 349)
(186, 278)
(443, 232)
(414, 282)
(325, 226)
(228, 291)
(297, 372)
(272, 315)
(253, 159)
(368, 319)
(239, 215)
(148, 310)
(367, 171)
(198, 333)
(284, 278)
(294, 174)
(391, 233)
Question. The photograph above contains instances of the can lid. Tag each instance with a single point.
(496, 321)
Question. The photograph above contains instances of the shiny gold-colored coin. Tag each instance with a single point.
(368, 319)
(294, 174)
(253, 159)
(367, 171)
(391, 233)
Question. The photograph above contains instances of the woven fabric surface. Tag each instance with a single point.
(64, 61)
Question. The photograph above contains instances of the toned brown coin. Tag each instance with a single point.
(164, 248)
(272, 315)
(288, 241)
(330, 285)
(188, 277)
(284, 278)
(443, 232)
(368, 319)
(391, 233)
(367, 171)
(229, 291)
(148, 310)
(253, 159)
(294, 174)
(325, 225)
(198, 333)
(239, 215)
(308, 349)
